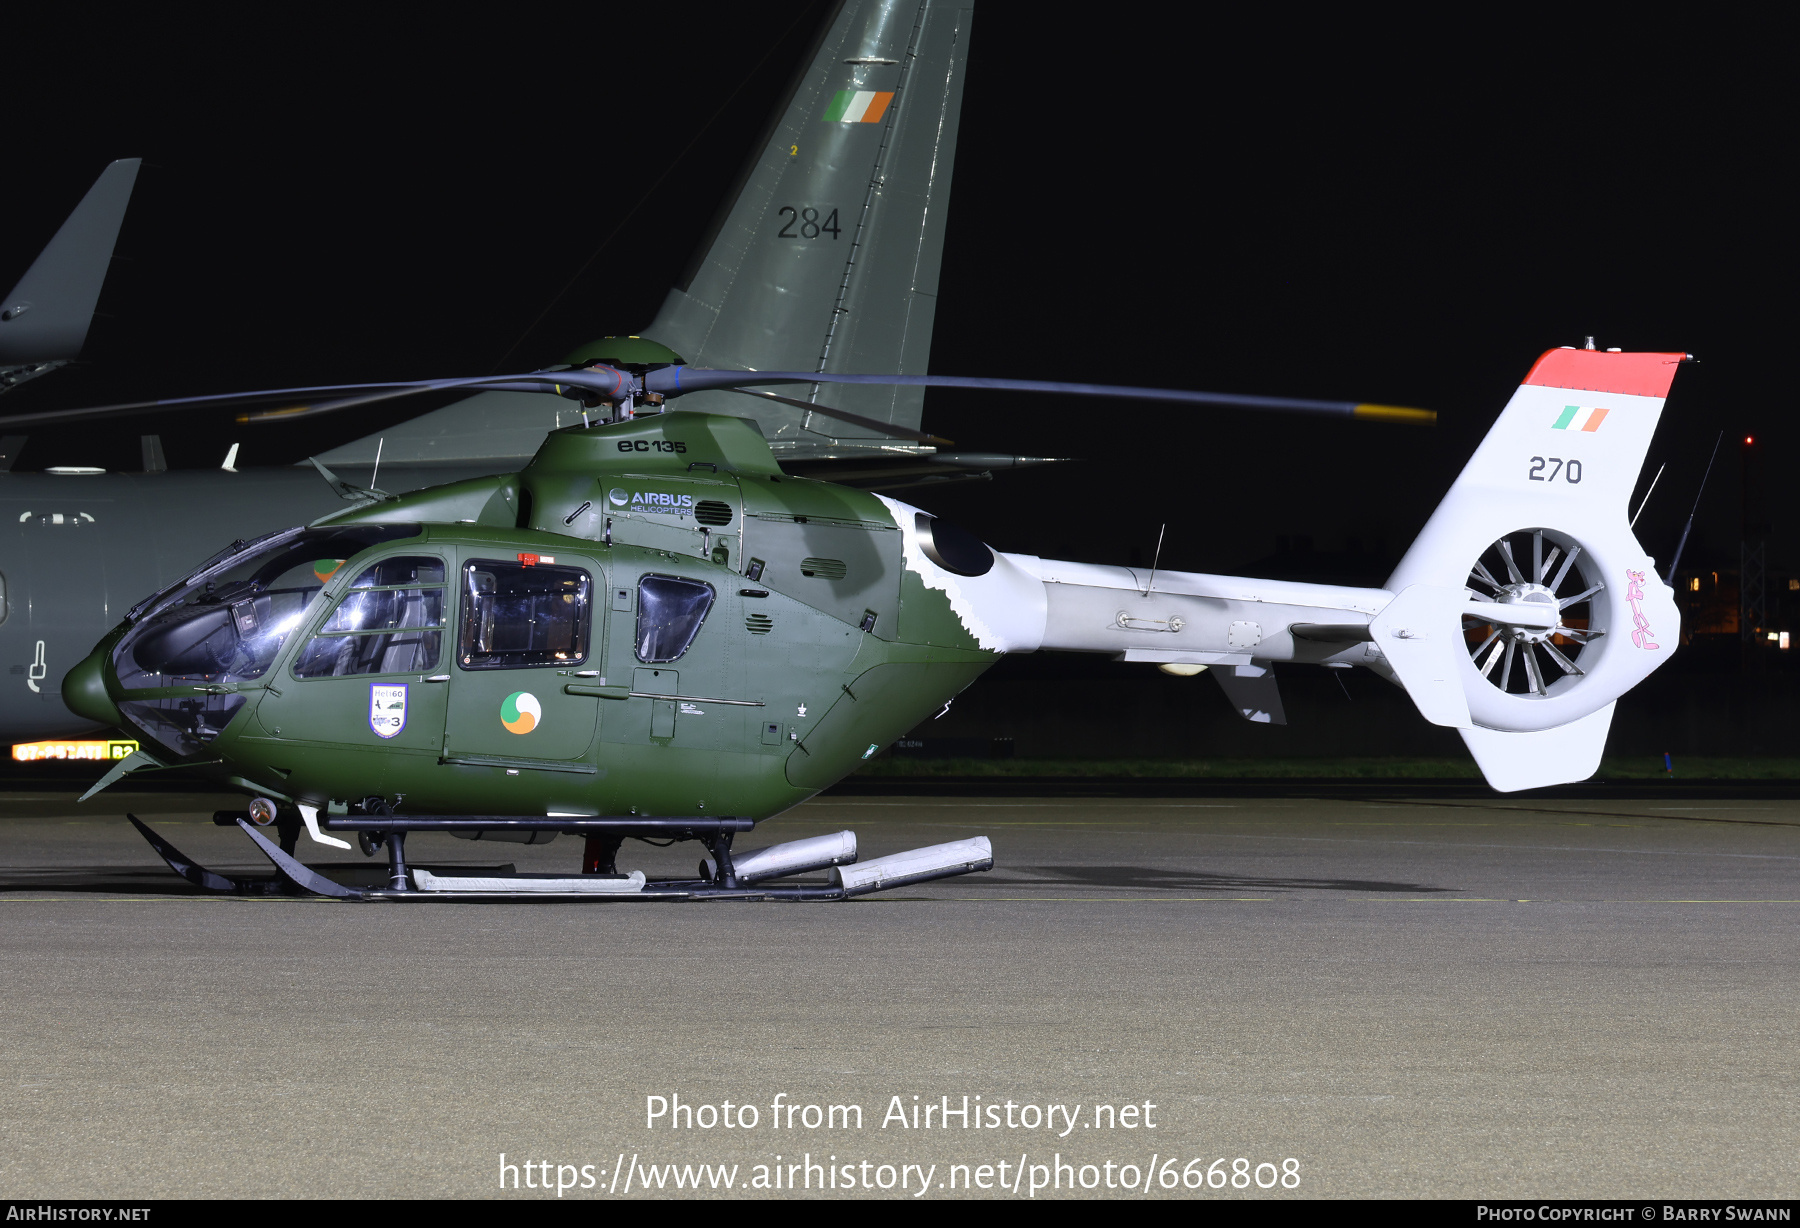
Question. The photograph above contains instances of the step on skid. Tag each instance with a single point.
(749, 875)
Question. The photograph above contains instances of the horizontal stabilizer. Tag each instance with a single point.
(1420, 634)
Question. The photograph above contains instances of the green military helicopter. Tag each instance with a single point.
(658, 627)
(650, 631)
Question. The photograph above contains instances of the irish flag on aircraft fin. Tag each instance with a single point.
(858, 106)
(1579, 418)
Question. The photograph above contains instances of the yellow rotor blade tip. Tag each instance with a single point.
(263, 414)
(1397, 413)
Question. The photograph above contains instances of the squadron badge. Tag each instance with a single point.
(387, 708)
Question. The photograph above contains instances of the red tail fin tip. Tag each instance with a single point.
(1638, 375)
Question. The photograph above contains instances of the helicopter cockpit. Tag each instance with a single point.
(224, 624)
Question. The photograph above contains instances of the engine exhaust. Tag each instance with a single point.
(794, 857)
(916, 866)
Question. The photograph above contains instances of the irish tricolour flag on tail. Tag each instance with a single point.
(858, 106)
(1580, 418)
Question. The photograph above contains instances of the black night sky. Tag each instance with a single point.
(1168, 198)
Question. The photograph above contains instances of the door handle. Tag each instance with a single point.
(602, 692)
(436, 678)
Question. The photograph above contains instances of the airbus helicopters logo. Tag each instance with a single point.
(653, 502)
(520, 712)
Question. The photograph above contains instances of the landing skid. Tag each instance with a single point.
(722, 877)
(200, 876)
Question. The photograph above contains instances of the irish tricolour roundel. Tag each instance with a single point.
(520, 712)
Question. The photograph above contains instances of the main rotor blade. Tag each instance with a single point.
(674, 381)
(611, 383)
(885, 428)
(393, 394)
(220, 400)
(328, 398)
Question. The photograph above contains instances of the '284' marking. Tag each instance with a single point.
(804, 223)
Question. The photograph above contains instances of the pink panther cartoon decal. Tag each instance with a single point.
(1634, 593)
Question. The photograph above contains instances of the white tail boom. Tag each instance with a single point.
(1521, 613)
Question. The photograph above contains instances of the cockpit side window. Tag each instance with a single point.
(230, 631)
(224, 624)
(515, 616)
(390, 622)
(670, 611)
(228, 620)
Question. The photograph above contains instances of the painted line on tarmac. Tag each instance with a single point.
(922, 899)
(1497, 810)
(1213, 899)
(1210, 899)
(1097, 825)
(1032, 805)
(1440, 844)
(98, 897)
(1444, 844)
(1567, 900)
(1521, 848)
(1603, 814)
(1063, 899)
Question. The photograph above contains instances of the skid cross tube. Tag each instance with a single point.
(600, 854)
(396, 846)
(720, 847)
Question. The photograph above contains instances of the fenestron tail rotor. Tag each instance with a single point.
(1543, 618)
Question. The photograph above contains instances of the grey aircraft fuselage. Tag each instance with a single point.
(77, 550)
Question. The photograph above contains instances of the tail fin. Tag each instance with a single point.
(1526, 604)
(46, 317)
(826, 256)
